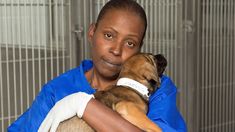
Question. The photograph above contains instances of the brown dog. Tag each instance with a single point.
(138, 78)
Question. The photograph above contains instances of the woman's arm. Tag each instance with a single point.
(102, 118)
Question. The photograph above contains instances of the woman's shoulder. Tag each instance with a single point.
(72, 79)
(69, 82)
(166, 88)
(74, 73)
(167, 85)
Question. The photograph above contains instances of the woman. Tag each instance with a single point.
(117, 35)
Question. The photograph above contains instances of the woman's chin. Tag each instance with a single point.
(110, 74)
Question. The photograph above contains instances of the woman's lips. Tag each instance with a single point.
(112, 64)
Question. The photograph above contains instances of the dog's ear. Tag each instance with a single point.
(161, 63)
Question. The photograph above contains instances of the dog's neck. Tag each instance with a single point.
(140, 88)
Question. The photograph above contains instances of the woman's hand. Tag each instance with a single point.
(66, 108)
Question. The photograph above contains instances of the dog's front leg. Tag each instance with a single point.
(136, 116)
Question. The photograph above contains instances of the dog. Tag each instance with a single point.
(142, 70)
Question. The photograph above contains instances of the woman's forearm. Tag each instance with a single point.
(101, 118)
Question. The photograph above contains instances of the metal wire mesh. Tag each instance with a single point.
(196, 37)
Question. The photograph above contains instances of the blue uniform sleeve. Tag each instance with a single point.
(67, 83)
(163, 110)
(32, 118)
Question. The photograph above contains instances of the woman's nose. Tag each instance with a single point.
(116, 49)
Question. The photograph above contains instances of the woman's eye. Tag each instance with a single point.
(130, 44)
(108, 35)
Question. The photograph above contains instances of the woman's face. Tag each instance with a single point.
(113, 40)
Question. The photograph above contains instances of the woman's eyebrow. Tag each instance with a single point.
(110, 28)
(133, 36)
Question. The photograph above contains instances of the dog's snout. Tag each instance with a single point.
(153, 83)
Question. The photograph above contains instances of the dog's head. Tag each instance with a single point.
(143, 68)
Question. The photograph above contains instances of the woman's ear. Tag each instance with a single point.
(91, 32)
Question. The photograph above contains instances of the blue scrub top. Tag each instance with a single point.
(162, 104)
